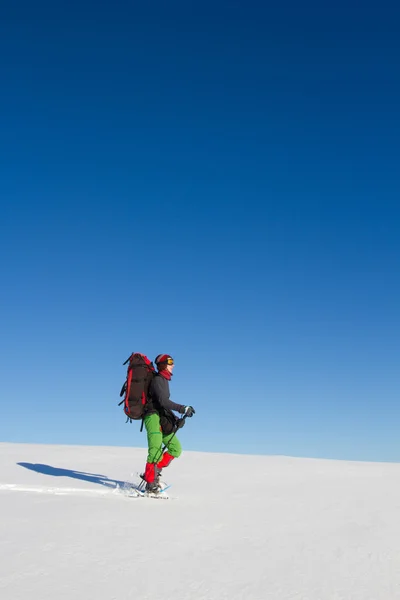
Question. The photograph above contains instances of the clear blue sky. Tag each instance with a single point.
(217, 181)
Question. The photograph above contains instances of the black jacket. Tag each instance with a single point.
(159, 402)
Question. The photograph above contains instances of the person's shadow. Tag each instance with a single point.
(56, 472)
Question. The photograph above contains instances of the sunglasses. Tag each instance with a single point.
(170, 361)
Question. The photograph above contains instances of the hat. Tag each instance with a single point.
(164, 358)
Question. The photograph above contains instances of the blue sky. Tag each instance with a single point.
(215, 181)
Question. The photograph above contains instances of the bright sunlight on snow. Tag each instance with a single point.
(235, 527)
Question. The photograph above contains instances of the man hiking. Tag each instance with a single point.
(161, 423)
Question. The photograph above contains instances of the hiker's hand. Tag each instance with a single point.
(180, 423)
(189, 411)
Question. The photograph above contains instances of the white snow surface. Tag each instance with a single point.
(235, 527)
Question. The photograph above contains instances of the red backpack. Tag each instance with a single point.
(139, 375)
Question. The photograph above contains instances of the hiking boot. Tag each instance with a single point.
(153, 488)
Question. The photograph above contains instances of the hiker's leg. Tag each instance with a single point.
(174, 448)
(154, 444)
(165, 461)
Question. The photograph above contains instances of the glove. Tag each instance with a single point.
(189, 411)
(180, 423)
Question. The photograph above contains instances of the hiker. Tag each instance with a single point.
(161, 423)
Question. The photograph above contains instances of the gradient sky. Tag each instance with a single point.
(217, 181)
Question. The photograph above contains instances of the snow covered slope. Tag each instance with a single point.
(237, 527)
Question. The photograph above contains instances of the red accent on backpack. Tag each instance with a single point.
(139, 374)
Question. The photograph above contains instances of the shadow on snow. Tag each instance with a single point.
(56, 472)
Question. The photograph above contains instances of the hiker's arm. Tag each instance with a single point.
(163, 397)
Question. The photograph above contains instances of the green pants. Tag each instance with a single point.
(156, 439)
